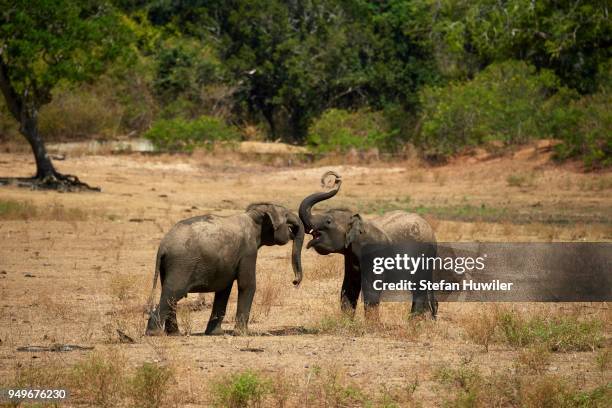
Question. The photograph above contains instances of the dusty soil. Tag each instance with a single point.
(76, 273)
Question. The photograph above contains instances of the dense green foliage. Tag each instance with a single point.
(442, 75)
(180, 134)
(507, 102)
(46, 42)
(341, 130)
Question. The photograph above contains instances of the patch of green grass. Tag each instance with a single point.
(465, 212)
(463, 376)
(245, 389)
(341, 325)
(559, 333)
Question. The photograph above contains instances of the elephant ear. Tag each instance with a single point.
(355, 228)
(268, 213)
(275, 214)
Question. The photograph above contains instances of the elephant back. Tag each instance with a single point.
(403, 226)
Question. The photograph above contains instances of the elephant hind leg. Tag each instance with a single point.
(163, 318)
(154, 325)
(171, 324)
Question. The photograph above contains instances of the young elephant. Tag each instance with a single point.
(340, 231)
(208, 253)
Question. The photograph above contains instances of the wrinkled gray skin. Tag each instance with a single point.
(208, 253)
(340, 231)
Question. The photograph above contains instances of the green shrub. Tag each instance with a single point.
(505, 102)
(340, 130)
(149, 385)
(246, 389)
(98, 380)
(585, 127)
(183, 135)
(560, 333)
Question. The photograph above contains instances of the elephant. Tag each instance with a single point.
(208, 253)
(342, 231)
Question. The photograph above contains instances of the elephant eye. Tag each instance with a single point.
(328, 221)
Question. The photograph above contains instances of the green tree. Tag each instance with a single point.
(572, 38)
(47, 42)
(291, 61)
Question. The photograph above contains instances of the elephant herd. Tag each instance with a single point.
(208, 253)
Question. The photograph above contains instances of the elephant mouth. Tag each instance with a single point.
(316, 237)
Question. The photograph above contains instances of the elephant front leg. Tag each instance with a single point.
(246, 292)
(351, 286)
(218, 311)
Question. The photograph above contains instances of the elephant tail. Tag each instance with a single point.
(158, 266)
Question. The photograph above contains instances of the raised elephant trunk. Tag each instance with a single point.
(297, 229)
(305, 210)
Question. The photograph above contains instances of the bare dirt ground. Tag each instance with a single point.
(74, 268)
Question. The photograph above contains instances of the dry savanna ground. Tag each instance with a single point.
(77, 268)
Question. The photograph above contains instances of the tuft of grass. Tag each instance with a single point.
(558, 333)
(338, 393)
(342, 325)
(469, 388)
(554, 391)
(330, 388)
(481, 328)
(464, 376)
(534, 359)
(268, 294)
(184, 315)
(602, 360)
(99, 380)
(244, 389)
(148, 386)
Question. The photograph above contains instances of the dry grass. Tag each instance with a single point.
(481, 328)
(470, 388)
(533, 360)
(327, 386)
(553, 330)
(92, 278)
(122, 287)
(325, 267)
(100, 379)
(26, 210)
(523, 180)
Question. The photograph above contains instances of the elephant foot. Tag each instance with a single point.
(154, 332)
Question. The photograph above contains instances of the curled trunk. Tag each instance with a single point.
(305, 210)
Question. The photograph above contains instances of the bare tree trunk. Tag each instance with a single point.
(29, 129)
